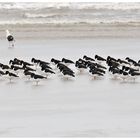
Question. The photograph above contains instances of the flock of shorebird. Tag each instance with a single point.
(127, 69)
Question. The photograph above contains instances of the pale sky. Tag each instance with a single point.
(69, 0)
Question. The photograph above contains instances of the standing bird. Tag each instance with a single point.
(67, 62)
(99, 58)
(37, 77)
(11, 75)
(10, 38)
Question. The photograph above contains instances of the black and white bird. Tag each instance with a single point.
(123, 62)
(67, 61)
(99, 58)
(80, 66)
(48, 72)
(55, 61)
(134, 74)
(37, 77)
(4, 67)
(11, 75)
(45, 66)
(88, 58)
(28, 74)
(12, 62)
(10, 39)
(63, 67)
(124, 75)
(131, 61)
(28, 68)
(16, 69)
(114, 72)
(2, 73)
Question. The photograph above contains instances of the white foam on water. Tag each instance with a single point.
(90, 5)
(65, 13)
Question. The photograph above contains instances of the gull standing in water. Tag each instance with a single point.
(10, 39)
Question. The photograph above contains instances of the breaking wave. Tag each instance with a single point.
(69, 13)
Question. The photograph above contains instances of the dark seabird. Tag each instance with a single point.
(109, 58)
(80, 66)
(48, 71)
(4, 66)
(28, 73)
(24, 63)
(11, 75)
(130, 60)
(67, 74)
(43, 62)
(28, 68)
(113, 63)
(55, 61)
(67, 61)
(134, 74)
(62, 67)
(82, 61)
(99, 58)
(124, 75)
(97, 69)
(37, 77)
(123, 62)
(14, 62)
(115, 71)
(17, 69)
(35, 61)
(95, 73)
(91, 64)
(2, 73)
(124, 68)
(88, 58)
(45, 66)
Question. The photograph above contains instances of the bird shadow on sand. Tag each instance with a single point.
(34, 86)
(27, 81)
(67, 79)
(2, 80)
(129, 82)
(114, 79)
(10, 48)
(11, 83)
(96, 79)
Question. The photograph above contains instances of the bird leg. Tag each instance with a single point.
(10, 79)
(124, 78)
(94, 77)
(37, 81)
(29, 78)
(134, 78)
(13, 43)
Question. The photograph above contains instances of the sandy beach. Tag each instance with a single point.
(80, 107)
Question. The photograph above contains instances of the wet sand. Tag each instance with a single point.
(80, 107)
(70, 31)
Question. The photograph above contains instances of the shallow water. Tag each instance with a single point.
(80, 107)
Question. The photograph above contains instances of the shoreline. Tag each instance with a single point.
(52, 31)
